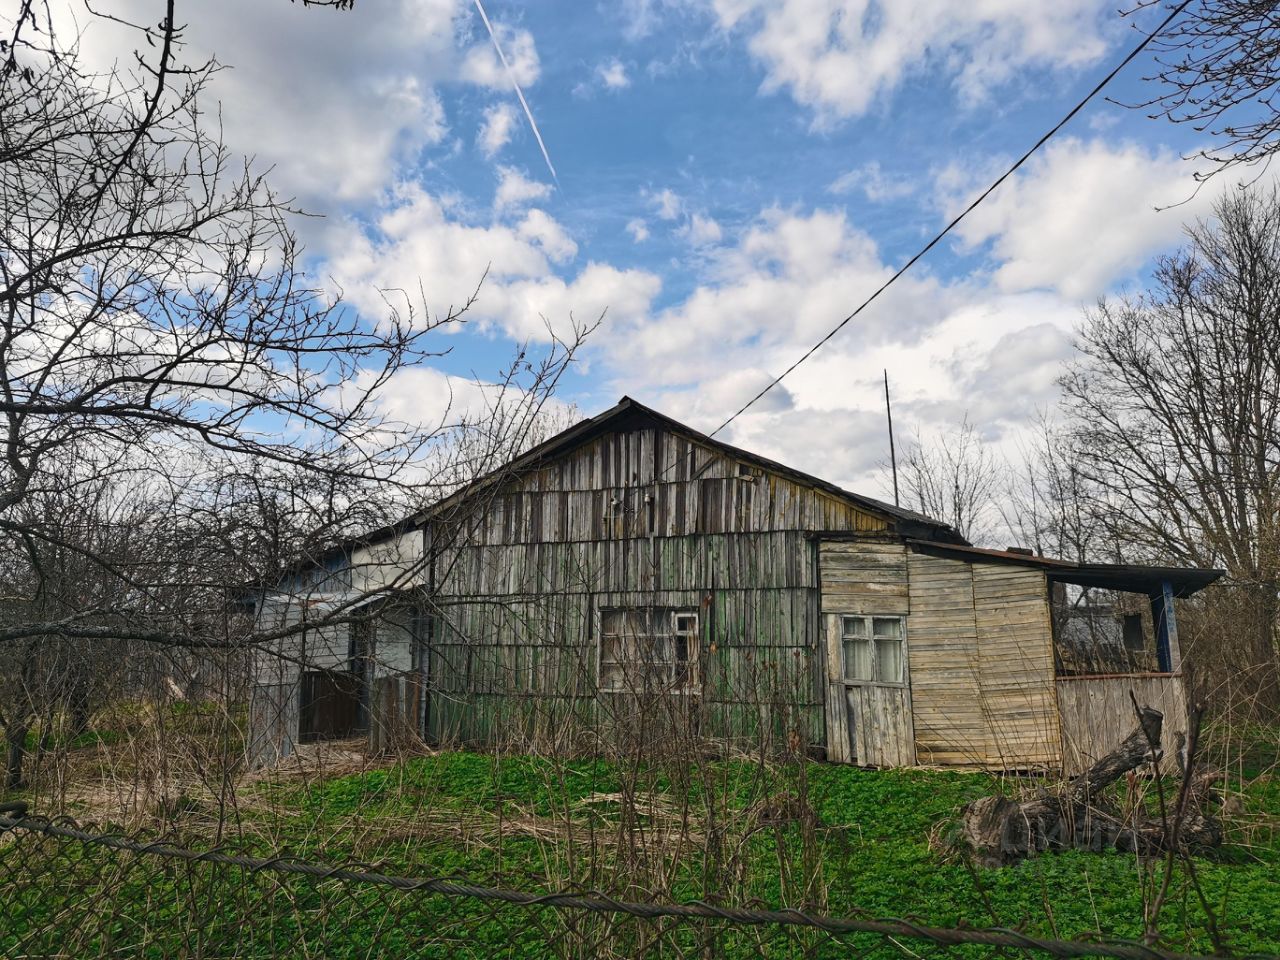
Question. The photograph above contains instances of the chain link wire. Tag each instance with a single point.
(71, 891)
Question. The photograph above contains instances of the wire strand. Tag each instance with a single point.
(977, 201)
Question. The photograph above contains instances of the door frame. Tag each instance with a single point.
(841, 727)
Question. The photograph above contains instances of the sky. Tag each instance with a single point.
(731, 178)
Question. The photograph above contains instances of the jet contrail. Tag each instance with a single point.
(519, 93)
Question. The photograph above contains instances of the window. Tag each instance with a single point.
(1131, 630)
(873, 650)
(648, 650)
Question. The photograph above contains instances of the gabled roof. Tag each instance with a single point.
(631, 414)
(1137, 578)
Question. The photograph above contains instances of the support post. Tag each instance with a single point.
(1165, 621)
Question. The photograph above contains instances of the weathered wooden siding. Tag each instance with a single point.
(864, 577)
(981, 655)
(1015, 648)
(643, 518)
(273, 722)
(650, 482)
(1097, 714)
(395, 563)
(950, 725)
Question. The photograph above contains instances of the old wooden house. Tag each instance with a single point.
(631, 567)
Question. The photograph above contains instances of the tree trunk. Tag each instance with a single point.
(1000, 830)
(15, 736)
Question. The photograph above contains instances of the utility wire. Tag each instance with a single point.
(967, 210)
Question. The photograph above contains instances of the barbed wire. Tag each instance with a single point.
(22, 866)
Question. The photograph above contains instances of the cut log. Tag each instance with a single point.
(998, 830)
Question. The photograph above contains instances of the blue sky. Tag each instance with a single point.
(734, 176)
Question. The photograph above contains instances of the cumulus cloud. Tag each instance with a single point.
(638, 229)
(349, 103)
(516, 190)
(540, 228)
(304, 107)
(951, 348)
(481, 66)
(417, 243)
(430, 398)
(496, 128)
(1082, 215)
(702, 230)
(840, 56)
(787, 280)
(613, 75)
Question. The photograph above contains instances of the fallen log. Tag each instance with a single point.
(999, 830)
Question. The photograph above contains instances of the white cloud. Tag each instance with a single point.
(555, 242)
(482, 67)
(339, 105)
(430, 398)
(334, 103)
(613, 75)
(841, 56)
(788, 279)
(666, 203)
(728, 391)
(416, 243)
(702, 230)
(1082, 215)
(516, 190)
(638, 229)
(496, 129)
(622, 297)
(950, 348)
(876, 185)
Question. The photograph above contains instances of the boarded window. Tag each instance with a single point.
(873, 651)
(649, 650)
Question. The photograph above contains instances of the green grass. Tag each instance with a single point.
(868, 852)
(873, 832)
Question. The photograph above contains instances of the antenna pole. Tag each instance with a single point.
(893, 456)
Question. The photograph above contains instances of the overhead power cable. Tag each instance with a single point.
(967, 210)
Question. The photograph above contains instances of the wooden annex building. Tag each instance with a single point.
(631, 569)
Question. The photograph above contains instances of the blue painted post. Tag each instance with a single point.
(1168, 654)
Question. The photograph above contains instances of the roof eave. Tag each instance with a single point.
(1135, 578)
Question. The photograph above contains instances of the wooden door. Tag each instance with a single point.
(868, 691)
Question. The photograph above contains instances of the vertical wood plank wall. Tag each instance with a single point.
(1015, 648)
(1097, 715)
(980, 649)
(639, 518)
(950, 725)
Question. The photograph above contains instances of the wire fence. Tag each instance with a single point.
(70, 891)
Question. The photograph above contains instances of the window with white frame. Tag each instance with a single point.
(648, 650)
(873, 649)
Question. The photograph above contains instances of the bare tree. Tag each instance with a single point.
(954, 477)
(157, 331)
(1175, 404)
(1049, 504)
(1219, 67)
